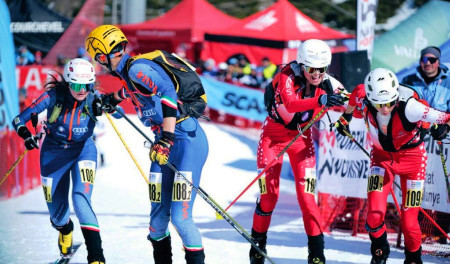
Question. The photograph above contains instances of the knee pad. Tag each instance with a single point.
(373, 230)
(260, 212)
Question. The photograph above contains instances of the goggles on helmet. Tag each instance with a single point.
(77, 87)
(312, 70)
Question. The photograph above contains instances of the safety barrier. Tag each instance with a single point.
(26, 175)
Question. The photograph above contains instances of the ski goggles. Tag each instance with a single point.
(116, 52)
(425, 59)
(77, 87)
(312, 70)
(390, 104)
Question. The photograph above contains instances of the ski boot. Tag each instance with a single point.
(162, 250)
(195, 257)
(65, 239)
(316, 245)
(93, 246)
(413, 257)
(379, 249)
(260, 240)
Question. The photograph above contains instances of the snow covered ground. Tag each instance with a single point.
(121, 203)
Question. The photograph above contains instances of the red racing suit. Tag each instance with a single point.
(400, 152)
(296, 109)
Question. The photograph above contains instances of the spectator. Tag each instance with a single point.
(24, 101)
(269, 69)
(252, 78)
(81, 53)
(24, 56)
(209, 68)
(431, 79)
(38, 57)
(222, 72)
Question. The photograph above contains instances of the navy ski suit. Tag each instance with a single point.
(171, 198)
(68, 149)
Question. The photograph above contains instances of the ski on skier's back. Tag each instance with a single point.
(66, 258)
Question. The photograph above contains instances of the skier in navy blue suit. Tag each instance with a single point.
(179, 138)
(68, 150)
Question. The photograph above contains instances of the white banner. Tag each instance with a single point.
(343, 168)
(365, 25)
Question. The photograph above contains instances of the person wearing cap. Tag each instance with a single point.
(68, 153)
(431, 79)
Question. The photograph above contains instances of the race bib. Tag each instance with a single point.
(375, 180)
(154, 187)
(47, 183)
(414, 193)
(262, 182)
(181, 189)
(310, 180)
(87, 171)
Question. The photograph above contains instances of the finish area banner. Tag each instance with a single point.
(343, 169)
(235, 100)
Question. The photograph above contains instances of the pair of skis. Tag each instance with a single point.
(65, 259)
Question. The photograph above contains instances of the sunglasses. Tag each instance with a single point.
(432, 60)
(77, 87)
(116, 52)
(390, 104)
(312, 70)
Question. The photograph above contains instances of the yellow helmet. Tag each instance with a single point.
(103, 39)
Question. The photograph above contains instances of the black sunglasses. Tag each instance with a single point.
(432, 60)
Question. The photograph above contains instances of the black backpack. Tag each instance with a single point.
(188, 86)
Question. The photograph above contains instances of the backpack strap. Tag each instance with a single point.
(57, 108)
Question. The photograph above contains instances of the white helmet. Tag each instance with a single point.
(79, 71)
(381, 86)
(314, 53)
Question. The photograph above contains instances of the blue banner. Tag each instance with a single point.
(9, 95)
(235, 100)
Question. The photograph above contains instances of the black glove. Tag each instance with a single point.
(31, 142)
(97, 106)
(343, 123)
(109, 102)
(161, 149)
(331, 100)
(439, 132)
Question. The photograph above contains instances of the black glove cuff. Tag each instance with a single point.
(23, 132)
(168, 136)
(347, 116)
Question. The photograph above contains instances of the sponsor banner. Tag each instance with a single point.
(343, 169)
(365, 26)
(34, 77)
(235, 100)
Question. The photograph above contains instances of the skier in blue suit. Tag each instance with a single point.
(68, 149)
(179, 138)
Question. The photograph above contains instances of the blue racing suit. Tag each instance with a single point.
(171, 198)
(436, 93)
(68, 149)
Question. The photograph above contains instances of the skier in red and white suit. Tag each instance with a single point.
(299, 96)
(395, 118)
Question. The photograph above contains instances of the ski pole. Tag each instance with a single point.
(278, 156)
(398, 186)
(126, 146)
(441, 153)
(206, 197)
(14, 166)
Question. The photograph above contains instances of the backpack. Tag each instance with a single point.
(191, 94)
(60, 96)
